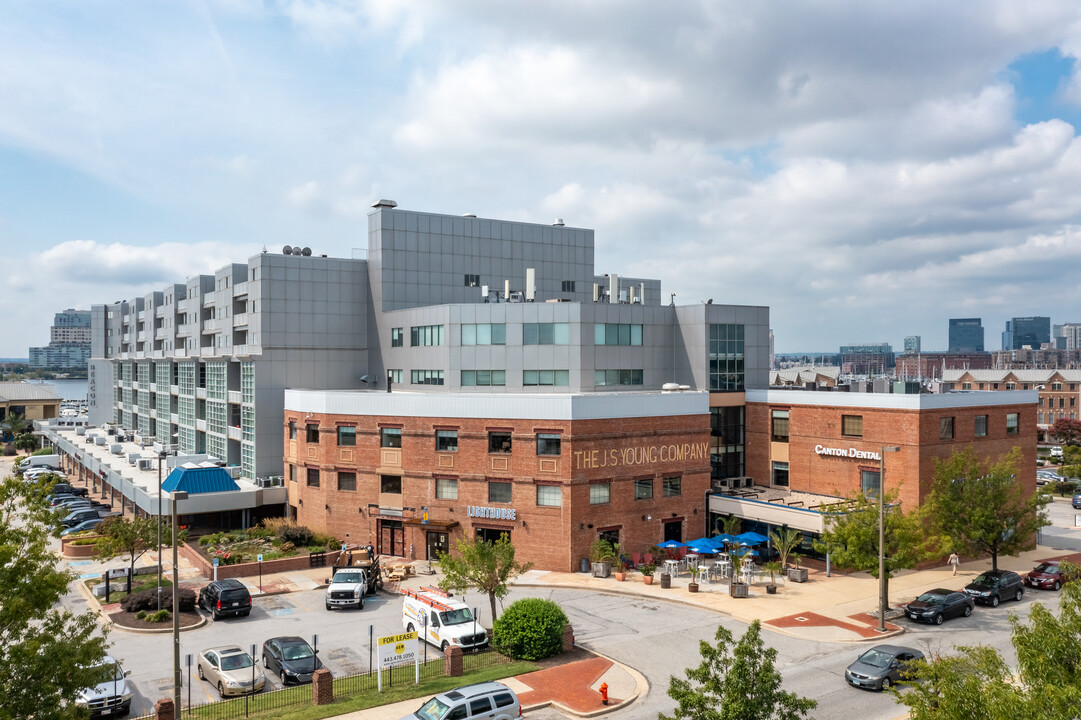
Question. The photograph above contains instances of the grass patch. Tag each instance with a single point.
(139, 583)
(295, 703)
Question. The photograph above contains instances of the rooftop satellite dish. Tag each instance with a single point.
(307, 252)
(287, 250)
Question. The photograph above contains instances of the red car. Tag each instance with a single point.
(1045, 575)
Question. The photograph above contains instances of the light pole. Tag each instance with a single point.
(161, 456)
(174, 498)
(883, 592)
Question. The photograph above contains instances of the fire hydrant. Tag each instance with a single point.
(604, 693)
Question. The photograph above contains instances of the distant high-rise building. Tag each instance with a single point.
(871, 359)
(69, 342)
(912, 344)
(966, 335)
(1030, 332)
(1067, 336)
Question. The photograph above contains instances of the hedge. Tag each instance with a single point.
(530, 629)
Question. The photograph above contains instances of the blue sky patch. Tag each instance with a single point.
(1038, 79)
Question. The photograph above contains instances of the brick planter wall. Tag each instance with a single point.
(76, 551)
(206, 567)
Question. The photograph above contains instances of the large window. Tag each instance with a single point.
(672, 486)
(484, 378)
(945, 428)
(397, 337)
(1013, 427)
(425, 335)
(446, 488)
(981, 426)
(313, 477)
(390, 437)
(557, 378)
(600, 493)
(617, 334)
(567, 286)
(499, 442)
(426, 377)
(347, 436)
(499, 492)
(643, 489)
(726, 442)
(472, 280)
(390, 484)
(726, 357)
(549, 496)
(394, 376)
(852, 425)
(312, 433)
(446, 441)
(617, 377)
(869, 482)
(546, 334)
(548, 444)
(347, 481)
(484, 334)
(779, 432)
(780, 474)
(292, 430)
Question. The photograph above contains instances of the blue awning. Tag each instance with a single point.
(199, 480)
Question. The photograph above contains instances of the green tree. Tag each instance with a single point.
(977, 684)
(124, 537)
(981, 508)
(1067, 431)
(736, 681)
(16, 424)
(785, 541)
(47, 653)
(851, 536)
(483, 565)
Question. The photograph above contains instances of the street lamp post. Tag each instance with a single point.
(174, 498)
(883, 592)
(161, 456)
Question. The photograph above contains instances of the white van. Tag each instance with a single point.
(441, 619)
(42, 461)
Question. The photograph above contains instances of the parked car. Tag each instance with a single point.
(881, 667)
(112, 695)
(291, 658)
(939, 604)
(489, 700)
(1045, 575)
(39, 472)
(1076, 501)
(85, 525)
(80, 515)
(994, 586)
(231, 670)
(1056, 451)
(1045, 476)
(223, 598)
(69, 490)
(66, 506)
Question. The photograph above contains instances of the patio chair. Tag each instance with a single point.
(636, 559)
(649, 558)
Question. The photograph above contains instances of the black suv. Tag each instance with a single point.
(223, 598)
(994, 586)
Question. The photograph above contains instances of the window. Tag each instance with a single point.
(780, 426)
(484, 378)
(499, 442)
(480, 706)
(945, 428)
(312, 433)
(472, 280)
(600, 493)
(446, 441)
(394, 376)
(568, 286)
(499, 492)
(780, 474)
(1012, 426)
(966, 386)
(617, 334)
(347, 481)
(852, 425)
(981, 426)
(426, 377)
(869, 482)
(426, 335)
(390, 437)
(292, 430)
(617, 377)
(484, 334)
(548, 444)
(446, 489)
(347, 436)
(292, 473)
(313, 477)
(397, 337)
(726, 357)
(390, 484)
(1056, 386)
(1011, 386)
(643, 489)
(549, 496)
(672, 486)
(557, 378)
(546, 334)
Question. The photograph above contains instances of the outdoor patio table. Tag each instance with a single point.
(672, 566)
(692, 560)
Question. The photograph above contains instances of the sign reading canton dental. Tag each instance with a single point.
(847, 453)
(491, 513)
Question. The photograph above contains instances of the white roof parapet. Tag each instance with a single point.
(895, 401)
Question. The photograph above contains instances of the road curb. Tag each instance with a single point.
(641, 688)
(95, 606)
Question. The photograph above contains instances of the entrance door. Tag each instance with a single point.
(673, 531)
(437, 543)
(391, 538)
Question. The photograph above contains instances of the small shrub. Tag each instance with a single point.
(86, 541)
(296, 534)
(9, 450)
(1066, 487)
(42, 451)
(260, 533)
(147, 600)
(530, 629)
(275, 524)
(141, 614)
(159, 616)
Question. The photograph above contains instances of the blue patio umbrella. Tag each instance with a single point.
(702, 545)
(671, 545)
(752, 538)
(702, 541)
(745, 551)
(722, 538)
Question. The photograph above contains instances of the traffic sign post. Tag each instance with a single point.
(215, 569)
(260, 572)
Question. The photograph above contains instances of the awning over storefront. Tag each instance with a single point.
(771, 513)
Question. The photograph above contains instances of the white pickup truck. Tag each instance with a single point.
(347, 588)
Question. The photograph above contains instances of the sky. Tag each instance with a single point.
(866, 169)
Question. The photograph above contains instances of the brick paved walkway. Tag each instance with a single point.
(570, 685)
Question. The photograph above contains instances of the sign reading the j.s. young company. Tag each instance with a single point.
(642, 455)
(847, 453)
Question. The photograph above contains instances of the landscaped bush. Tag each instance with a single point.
(43, 451)
(530, 629)
(1066, 487)
(297, 534)
(86, 541)
(159, 616)
(148, 600)
(9, 450)
(260, 533)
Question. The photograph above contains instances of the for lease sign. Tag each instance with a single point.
(397, 649)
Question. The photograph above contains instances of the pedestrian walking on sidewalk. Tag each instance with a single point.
(954, 561)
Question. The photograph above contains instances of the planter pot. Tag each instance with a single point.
(602, 569)
(647, 579)
(739, 590)
(621, 576)
(666, 580)
(771, 589)
(797, 574)
(692, 587)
